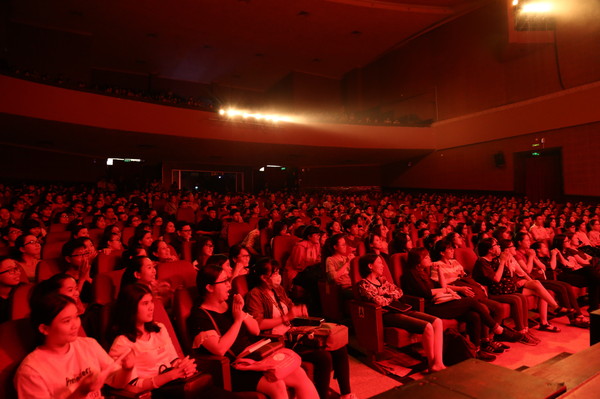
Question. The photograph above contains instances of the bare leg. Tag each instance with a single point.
(438, 345)
(274, 390)
(539, 290)
(302, 385)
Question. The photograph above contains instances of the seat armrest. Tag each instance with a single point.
(417, 303)
(218, 367)
(114, 393)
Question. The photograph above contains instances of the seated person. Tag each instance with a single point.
(210, 225)
(375, 288)
(10, 278)
(226, 331)
(447, 304)
(305, 253)
(65, 365)
(488, 273)
(270, 306)
(27, 253)
(78, 265)
(152, 349)
(337, 262)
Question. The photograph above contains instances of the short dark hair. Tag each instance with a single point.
(484, 246)
(364, 262)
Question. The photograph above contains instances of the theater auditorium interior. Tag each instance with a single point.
(422, 174)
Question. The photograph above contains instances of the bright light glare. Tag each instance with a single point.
(515, 2)
(232, 113)
(537, 7)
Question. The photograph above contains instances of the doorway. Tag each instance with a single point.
(538, 174)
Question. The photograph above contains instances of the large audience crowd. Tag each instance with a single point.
(227, 248)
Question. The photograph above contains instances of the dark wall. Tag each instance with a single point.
(468, 65)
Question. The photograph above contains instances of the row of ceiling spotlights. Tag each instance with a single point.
(232, 113)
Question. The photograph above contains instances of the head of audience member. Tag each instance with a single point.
(10, 234)
(402, 242)
(418, 258)
(10, 276)
(488, 247)
(221, 261)
(374, 243)
(160, 251)
(522, 241)
(63, 284)
(235, 216)
(139, 269)
(55, 317)
(141, 238)
(443, 250)
(335, 245)
(206, 248)
(214, 284)
(334, 227)
(157, 221)
(455, 239)
(78, 231)
(99, 222)
(311, 234)
(370, 263)
(280, 228)
(33, 227)
(239, 256)
(351, 228)
(266, 273)
(541, 249)
(507, 246)
(184, 231)
(136, 312)
(134, 221)
(111, 241)
(76, 255)
(27, 247)
(561, 242)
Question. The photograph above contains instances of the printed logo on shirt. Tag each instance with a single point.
(78, 377)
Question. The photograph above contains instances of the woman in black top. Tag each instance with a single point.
(222, 330)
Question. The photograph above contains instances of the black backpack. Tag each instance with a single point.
(457, 347)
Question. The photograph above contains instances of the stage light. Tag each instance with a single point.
(232, 113)
(538, 7)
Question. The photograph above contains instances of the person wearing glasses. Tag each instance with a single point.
(223, 330)
(206, 248)
(66, 365)
(10, 277)
(239, 256)
(27, 252)
(78, 265)
(491, 270)
(184, 234)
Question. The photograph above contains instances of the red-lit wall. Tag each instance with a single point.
(472, 167)
(468, 65)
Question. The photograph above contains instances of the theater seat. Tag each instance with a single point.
(236, 232)
(367, 319)
(47, 268)
(19, 302)
(105, 286)
(17, 340)
(52, 250)
(179, 273)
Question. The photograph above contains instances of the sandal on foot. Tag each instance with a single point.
(560, 312)
(548, 328)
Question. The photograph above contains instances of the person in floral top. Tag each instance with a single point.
(375, 288)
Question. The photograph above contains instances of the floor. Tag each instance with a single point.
(367, 382)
